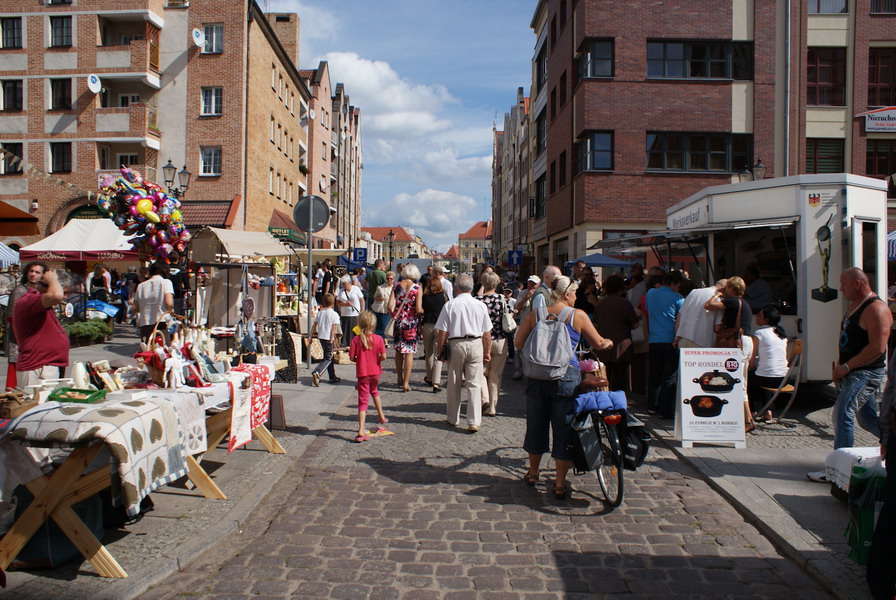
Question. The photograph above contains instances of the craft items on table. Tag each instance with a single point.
(142, 208)
(261, 392)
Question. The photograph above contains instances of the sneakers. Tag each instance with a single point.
(818, 477)
(473, 428)
(517, 375)
(315, 378)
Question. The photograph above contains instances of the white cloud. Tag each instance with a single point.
(437, 216)
(445, 165)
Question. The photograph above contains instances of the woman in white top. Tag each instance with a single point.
(350, 300)
(768, 364)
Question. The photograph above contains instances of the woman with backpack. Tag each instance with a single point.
(550, 403)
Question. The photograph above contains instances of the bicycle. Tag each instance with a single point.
(609, 469)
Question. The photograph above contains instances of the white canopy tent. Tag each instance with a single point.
(82, 239)
(211, 244)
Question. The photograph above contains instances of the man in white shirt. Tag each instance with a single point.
(447, 286)
(694, 328)
(464, 324)
(350, 300)
(154, 299)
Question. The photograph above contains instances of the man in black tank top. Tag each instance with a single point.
(862, 354)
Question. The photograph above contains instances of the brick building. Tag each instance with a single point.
(631, 114)
(404, 243)
(212, 86)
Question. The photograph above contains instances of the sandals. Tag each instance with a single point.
(560, 493)
(764, 418)
(361, 438)
(749, 427)
(384, 420)
(529, 480)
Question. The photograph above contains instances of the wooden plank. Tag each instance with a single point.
(267, 440)
(83, 539)
(89, 484)
(45, 503)
(218, 427)
(203, 482)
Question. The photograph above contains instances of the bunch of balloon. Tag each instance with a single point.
(142, 208)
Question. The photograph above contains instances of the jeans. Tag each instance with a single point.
(856, 400)
(662, 378)
(550, 406)
(382, 319)
(880, 575)
(327, 362)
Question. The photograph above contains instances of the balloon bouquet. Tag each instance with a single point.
(142, 208)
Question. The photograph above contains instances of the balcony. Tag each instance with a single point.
(148, 173)
(139, 56)
(137, 120)
(334, 171)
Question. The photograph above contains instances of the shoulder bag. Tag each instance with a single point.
(730, 337)
(390, 328)
(508, 324)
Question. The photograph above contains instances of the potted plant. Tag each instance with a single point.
(85, 333)
(303, 168)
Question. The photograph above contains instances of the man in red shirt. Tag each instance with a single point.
(43, 343)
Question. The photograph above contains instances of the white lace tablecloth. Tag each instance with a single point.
(839, 463)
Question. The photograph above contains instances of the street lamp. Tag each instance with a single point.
(183, 180)
(754, 173)
(390, 237)
(745, 175)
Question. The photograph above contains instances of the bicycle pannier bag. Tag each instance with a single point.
(584, 443)
(548, 349)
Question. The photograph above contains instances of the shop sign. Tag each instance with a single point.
(110, 256)
(711, 399)
(50, 255)
(285, 233)
(880, 120)
(689, 218)
(86, 212)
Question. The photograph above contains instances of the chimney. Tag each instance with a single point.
(286, 26)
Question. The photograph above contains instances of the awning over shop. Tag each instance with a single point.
(283, 227)
(17, 222)
(891, 245)
(600, 260)
(83, 239)
(8, 256)
(210, 242)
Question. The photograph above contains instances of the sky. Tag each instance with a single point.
(430, 77)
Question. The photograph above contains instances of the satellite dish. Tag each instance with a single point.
(311, 113)
(94, 84)
(198, 37)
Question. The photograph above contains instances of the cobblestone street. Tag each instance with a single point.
(436, 512)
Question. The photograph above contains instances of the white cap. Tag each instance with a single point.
(535, 279)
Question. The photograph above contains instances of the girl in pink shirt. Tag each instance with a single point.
(368, 350)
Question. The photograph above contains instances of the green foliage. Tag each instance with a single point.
(93, 329)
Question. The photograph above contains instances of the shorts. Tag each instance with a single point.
(367, 387)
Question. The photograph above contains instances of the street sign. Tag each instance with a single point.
(360, 255)
(312, 213)
(514, 257)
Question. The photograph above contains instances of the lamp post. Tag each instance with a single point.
(183, 180)
(390, 237)
(754, 173)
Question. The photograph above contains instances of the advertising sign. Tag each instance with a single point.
(880, 120)
(712, 396)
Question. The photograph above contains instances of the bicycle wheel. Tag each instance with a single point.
(609, 472)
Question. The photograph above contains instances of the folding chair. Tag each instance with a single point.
(794, 370)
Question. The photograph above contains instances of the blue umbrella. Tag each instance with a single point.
(600, 260)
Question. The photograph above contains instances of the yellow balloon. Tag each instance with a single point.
(151, 217)
(176, 216)
(144, 206)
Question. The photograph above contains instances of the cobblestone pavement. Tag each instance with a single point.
(436, 512)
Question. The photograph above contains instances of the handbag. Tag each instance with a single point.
(730, 337)
(380, 298)
(508, 324)
(583, 443)
(390, 328)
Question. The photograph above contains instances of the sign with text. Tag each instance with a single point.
(880, 119)
(360, 255)
(712, 395)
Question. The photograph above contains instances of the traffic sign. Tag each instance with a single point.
(514, 257)
(312, 213)
(360, 255)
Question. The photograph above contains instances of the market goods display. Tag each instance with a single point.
(142, 208)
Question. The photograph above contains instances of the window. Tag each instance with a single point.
(719, 152)
(212, 101)
(214, 38)
(272, 129)
(128, 160)
(700, 60)
(824, 155)
(11, 32)
(210, 160)
(553, 103)
(127, 38)
(881, 76)
(271, 181)
(125, 100)
(828, 7)
(826, 77)
(594, 152)
(883, 6)
(60, 94)
(278, 184)
(553, 32)
(58, 2)
(273, 76)
(60, 31)
(552, 176)
(540, 201)
(60, 157)
(9, 165)
(12, 95)
(881, 162)
(541, 133)
(561, 169)
(541, 67)
(596, 59)
(563, 88)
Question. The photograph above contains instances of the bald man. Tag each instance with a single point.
(542, 297)
(860, 368)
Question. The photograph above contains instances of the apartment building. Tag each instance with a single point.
(210, 86)
(510, 187)
(475, 246)
(346, 165)
(397, 242)
(631, 114)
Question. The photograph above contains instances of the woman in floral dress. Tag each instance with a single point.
(403, 307)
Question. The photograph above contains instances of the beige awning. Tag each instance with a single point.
(210, 242)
